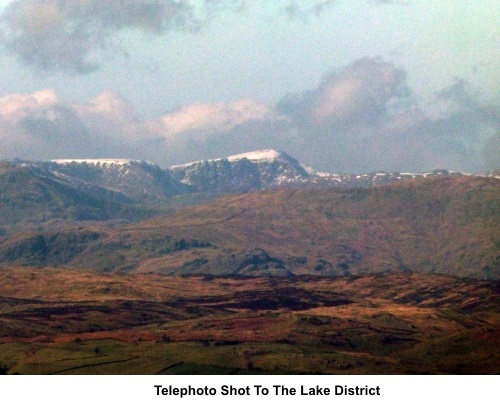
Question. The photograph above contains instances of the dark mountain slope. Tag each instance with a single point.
(439, 225)
(138, 180)
(31, 196)
(134, 183)
(449, 225)
(256, 170)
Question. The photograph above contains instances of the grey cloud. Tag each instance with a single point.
(321, 6)
(55, 125)
(395, 2)
(202, 131)
(358, 94)
(296, 10)
(40, 126)
(364, 117)
(491, 152)
(73, 35)
(458, 93)
(247, 136)
(76, 36)
(59, 131)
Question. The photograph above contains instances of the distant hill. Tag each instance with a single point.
(32, 195)
(256, 170)
(144, 183)
(65, 321)
(271, 169)
(447, 225)
(139, 181)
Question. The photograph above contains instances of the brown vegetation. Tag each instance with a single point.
(66, 321)
(446, 225)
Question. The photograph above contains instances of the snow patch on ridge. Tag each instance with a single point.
(265, 155)
(268, 155)
(96, 162)
(101, 162)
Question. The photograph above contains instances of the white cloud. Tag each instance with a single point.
(109, 126)
(363, 117)
(206, 119)
(71, 35)
(15, 107)
(76, 36)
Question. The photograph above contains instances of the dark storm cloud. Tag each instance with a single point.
(73, 35)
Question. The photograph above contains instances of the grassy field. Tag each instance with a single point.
(62, 321)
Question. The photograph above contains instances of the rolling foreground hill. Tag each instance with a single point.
(76, 322)
(447, 225)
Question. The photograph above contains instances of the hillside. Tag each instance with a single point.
(256, 170)
(77, 322)
(137, 180)
(448, 225)
(37, 193)
(29, 197)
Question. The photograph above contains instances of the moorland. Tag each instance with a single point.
(78, 322)
(396, 279)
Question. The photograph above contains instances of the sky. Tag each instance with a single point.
(341, 85)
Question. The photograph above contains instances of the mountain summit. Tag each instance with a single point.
(102, 188)
(255, 170)
(267, 155)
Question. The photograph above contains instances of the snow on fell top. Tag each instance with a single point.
(268, 155)
(97, 162)
(265, 155)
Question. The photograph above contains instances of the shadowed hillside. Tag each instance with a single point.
(440, 225)
(31, 197)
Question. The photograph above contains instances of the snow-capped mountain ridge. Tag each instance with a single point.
(267, 155)
(102, 162)
(248, 171)
(264, 155)
(138, 180)
(142, 181)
